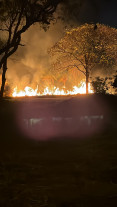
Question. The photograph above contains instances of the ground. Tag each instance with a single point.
(56, 173)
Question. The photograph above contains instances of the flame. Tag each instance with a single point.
(28, 91)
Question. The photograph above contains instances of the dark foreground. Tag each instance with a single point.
(57, 172)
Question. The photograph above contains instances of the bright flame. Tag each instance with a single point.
(28, 91)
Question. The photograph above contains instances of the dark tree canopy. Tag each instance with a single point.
(16, 16)
(99, 85)
(115, 82)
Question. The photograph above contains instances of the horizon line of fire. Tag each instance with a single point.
(29, 91)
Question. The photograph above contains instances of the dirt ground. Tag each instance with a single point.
(57, 172)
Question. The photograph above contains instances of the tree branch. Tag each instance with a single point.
(4, 30)
(76, 66)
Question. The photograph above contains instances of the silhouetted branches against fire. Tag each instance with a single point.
(86, 48)
(16, 16)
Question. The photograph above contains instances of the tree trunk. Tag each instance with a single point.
(87, 81)
(3, 79)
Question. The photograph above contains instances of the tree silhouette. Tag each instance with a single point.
(100, 85)
(114, 84)
(16, 16)
(86, 48)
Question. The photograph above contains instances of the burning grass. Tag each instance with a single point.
(28, 91)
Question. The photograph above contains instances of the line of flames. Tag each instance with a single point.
(28, 91)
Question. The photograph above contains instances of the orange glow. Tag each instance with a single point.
(28, 91)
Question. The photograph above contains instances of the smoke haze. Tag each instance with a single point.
(31, 62)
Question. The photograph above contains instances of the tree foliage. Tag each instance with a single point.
(16, 16)
(100, 85)
(85, 48)
(115, 82)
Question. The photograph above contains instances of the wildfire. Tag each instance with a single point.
(28, 91)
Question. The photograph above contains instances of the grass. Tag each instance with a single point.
(56, 173)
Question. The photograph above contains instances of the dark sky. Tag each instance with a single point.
(108, 13)
(92, 11)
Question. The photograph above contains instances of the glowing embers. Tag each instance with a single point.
(28, 91)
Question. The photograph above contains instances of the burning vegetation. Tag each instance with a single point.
(28, 91)
(87, 48)
(83, 61)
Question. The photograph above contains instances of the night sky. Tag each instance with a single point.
(92, 11)
(108, 13)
